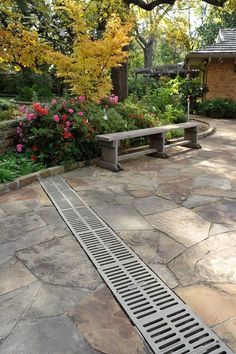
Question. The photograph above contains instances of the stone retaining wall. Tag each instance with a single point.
(8, 135)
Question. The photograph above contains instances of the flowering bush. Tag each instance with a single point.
(65, 130)
(57, 132)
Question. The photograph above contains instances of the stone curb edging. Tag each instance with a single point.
(207, 132)
(37, 176)
(202, 135)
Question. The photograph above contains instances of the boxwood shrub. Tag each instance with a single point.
(218, 108)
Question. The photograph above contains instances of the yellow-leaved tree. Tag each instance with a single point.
(87, 68)
(19, 47)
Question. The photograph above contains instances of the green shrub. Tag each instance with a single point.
(8, 110)
(13, 165)
(193, 88)
(218, 108)
(23, 84)
(25, 94)
(4, 104)
(65, 130)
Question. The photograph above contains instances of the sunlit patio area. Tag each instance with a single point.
(177, 214)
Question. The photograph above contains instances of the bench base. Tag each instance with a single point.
(192, 145)
(161, 155)
(110, 166)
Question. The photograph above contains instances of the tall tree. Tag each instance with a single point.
(214, 20)
(146, 31)
(120, 79)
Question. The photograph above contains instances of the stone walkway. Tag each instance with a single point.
(178, 215)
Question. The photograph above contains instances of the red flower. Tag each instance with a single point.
(85, 121)
(39, 109)
(64, 117)
(34, 148)
(67, 135)
(34, 157)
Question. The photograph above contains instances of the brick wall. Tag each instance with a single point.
(221, 78)
(7, 135)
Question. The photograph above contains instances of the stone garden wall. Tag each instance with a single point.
(7, 135)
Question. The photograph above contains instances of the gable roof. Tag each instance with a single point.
(225, 46)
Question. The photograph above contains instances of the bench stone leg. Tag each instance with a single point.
(191, 134)
(157, 141)
(109, 158)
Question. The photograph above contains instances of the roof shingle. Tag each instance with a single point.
(225, 44)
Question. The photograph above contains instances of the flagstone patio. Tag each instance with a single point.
(178, 215)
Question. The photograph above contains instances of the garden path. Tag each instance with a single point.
(178, 215)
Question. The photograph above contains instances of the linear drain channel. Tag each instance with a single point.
(166, 323)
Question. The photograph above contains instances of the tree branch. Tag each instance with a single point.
(140, 38)
(219, 3)
(149, 6)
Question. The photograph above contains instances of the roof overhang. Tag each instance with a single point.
(207, 55)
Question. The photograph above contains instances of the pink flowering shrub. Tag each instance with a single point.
(54, 133)
(64, 130)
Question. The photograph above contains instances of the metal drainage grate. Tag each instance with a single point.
(166, 323)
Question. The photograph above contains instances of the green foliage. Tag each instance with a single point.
(65, 130)
(193, 88)
(13, 165)
(24, 85)
(25, 94)
(7, 110)
(141, 85)
(218, 108)
(214, 20)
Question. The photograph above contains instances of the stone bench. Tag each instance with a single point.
(157, 143)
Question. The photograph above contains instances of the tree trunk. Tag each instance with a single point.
(119, 78)
(148, 53)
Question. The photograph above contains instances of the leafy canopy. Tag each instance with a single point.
(87, 69)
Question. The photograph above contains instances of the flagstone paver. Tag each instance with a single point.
(221, 228)
(227, 331)
(198, 200)
(122, 217)
(221, 307)
(61, 262)
(53, 335)
(20, 207)
(54, 300)
(220, 212)
(182, 224)
(212, 260)
(13, 305)
(212, 181)
(17, 225)
(177, 214)
(105, 326)
(153, 204)
(14, 275)
(153, 246)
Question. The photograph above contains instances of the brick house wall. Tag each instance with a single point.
(221, 78)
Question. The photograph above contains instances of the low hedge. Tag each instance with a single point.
(218, 108)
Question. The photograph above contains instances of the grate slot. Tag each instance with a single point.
(164, 321)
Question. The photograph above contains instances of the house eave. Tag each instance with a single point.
(211, 55)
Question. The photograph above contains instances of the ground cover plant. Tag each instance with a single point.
(13, 165)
